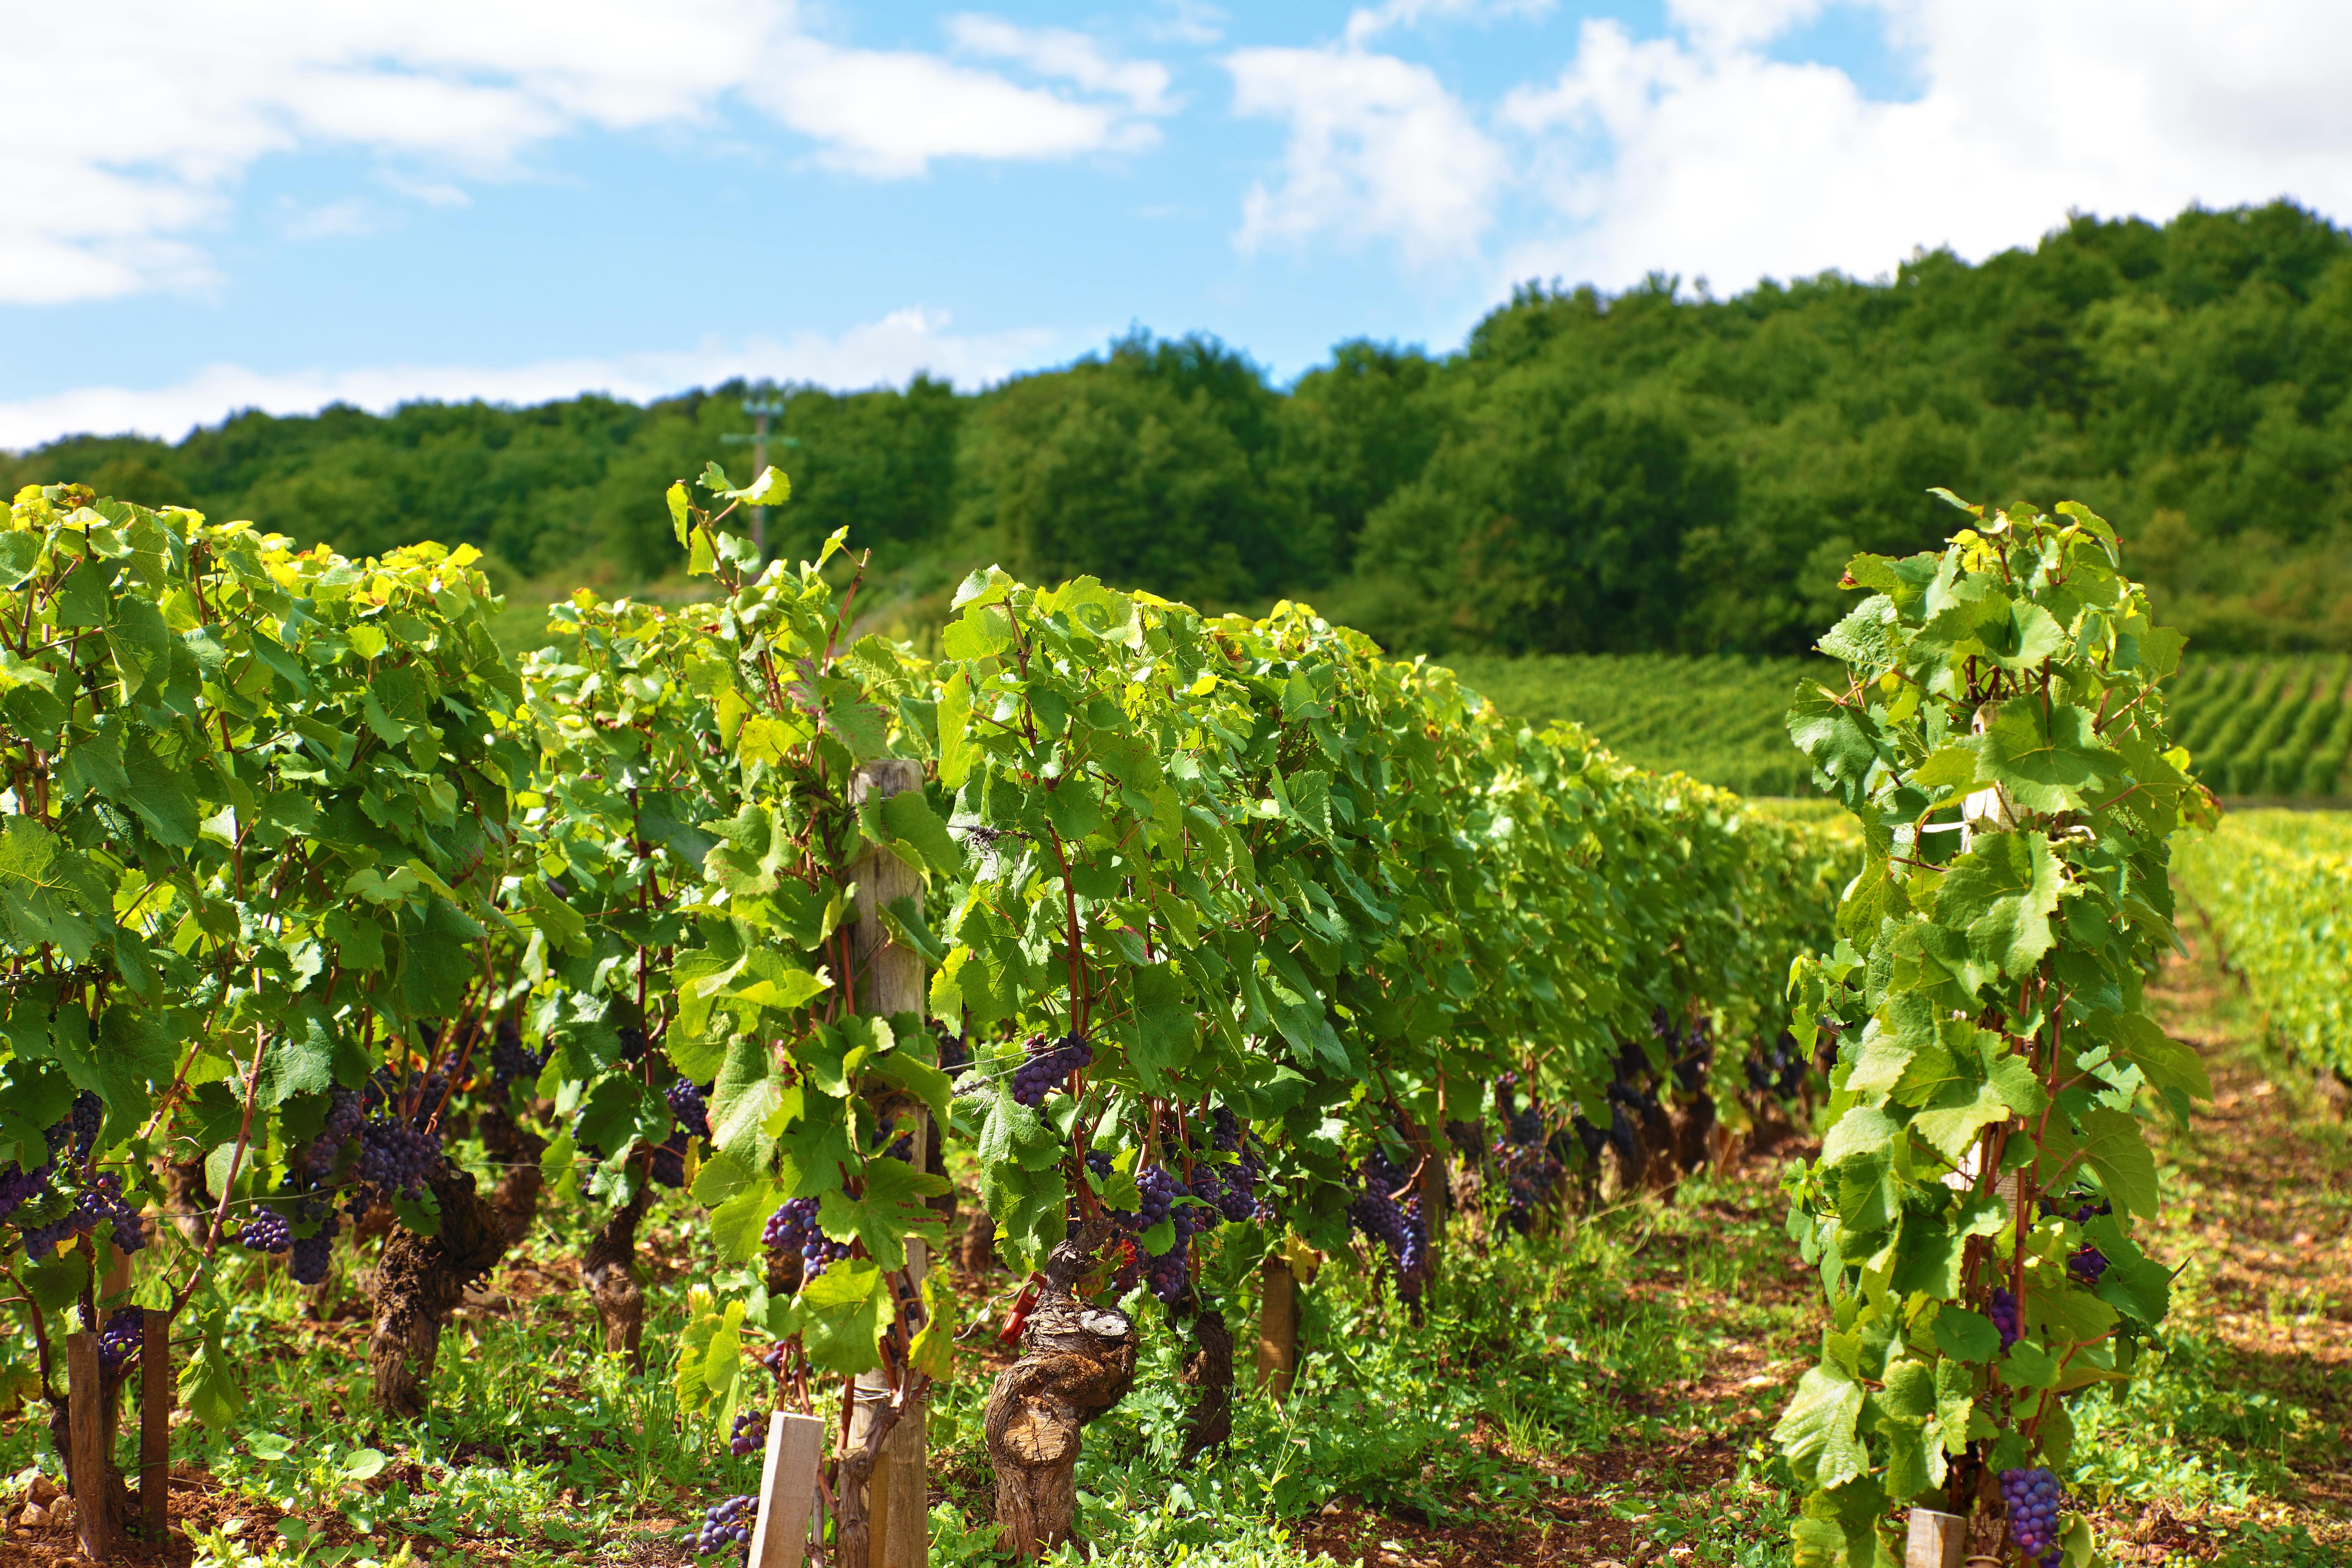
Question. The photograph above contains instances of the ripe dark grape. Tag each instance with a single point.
(725, 1524)
(954, 1055)
(345, 1111)
(395, 1157)
(633, 1043)
(266, 1231)
(749, 1434)
(309, 1256)
(2035, 1503)
(2087, 1265)
(99, 1201)
(1778, 1068)
(509, 1061)
(1158, 1190)
(118, 1341)
(693, 1112)
(19, 1186)
(2004, 1316)
(667, 1168)
(1049, 1064)
(1395, 1227)
(87, 1115)
(793, 1229)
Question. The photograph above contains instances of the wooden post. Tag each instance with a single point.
(787, 1490)
(891, 980)
(1277, 1326)
(155, 1400)
(92, 1464)
(1935, 1540)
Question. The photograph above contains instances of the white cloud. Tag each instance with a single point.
(882, 352)
(1378, 149)
(1059, 54)
(114, 198)
(1187, 22)
(334, 220)
(1369, 22)
(1697, 154)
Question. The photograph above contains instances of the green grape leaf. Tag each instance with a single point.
(2113, 1145)
(2044, 761)
(1965, 1335)
(845, 1311)
(1817, 1430)
(1999, 896)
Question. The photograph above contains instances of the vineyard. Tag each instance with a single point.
(494, 1102)
(1718, 719)
(2276, 728)
(2277, 887)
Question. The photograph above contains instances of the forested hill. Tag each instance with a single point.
(1640, 471)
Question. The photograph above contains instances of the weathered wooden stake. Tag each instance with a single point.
(92, 1468)
(1277, 1326)
(1935, 1540)
(787, 1490)
(155, 1423)
(891, 980)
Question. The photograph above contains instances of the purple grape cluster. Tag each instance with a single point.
(691, 1110)
(19, 1186)
(666, 1166)
(271, 1230)
(724, 1524)
(307, 1256)
(118, 1341)
(397, 1156)
(793, 1229)
(266, 1231)
(1169, 1274)
(511, 1059)
(1778, 1068)
(902, 1148)
(99, 1201)
(749, 1434)
(954, 1055)
(1530, 1173)
(2034, 1504)
(1049, 1063)
(2004, 1316)
(1395, 1227)
(345, 1111)
(87, 1115)
(2087, 1265)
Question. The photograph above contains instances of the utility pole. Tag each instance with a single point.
(764, 404)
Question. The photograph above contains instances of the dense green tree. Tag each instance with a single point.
(1151, 468)
(1648, 469)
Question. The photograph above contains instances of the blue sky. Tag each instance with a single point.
(282, 204)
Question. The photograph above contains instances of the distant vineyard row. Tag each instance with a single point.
(2277, 886)
(1717, 718)
(2276, 728)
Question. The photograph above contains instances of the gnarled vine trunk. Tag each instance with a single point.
(978, 1253)
(608, 1273)
(419, 1282)
(1077, 1360)
(1209, 1373)
(517, 1149)
(185, 1201)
